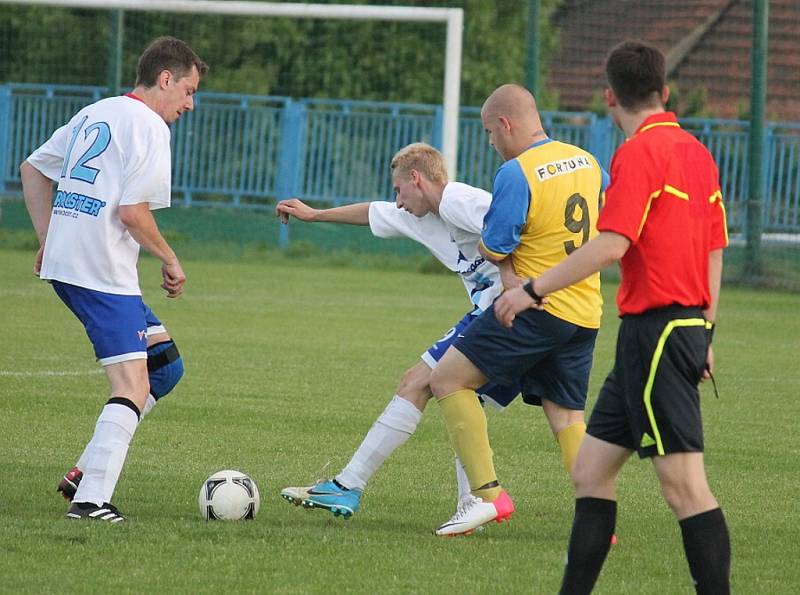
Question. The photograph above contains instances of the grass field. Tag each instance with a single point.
(287, 367)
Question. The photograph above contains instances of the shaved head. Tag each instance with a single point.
(511, 120)
(512, 101)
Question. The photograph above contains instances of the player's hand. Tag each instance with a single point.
(511, 280)
(508, 273)
(174, 279)
(37, 261)
(296, 208)
(511, 303)
(709, 369)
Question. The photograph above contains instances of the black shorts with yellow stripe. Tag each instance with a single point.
(650, 402)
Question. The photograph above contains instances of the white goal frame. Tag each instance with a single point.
(453, 17)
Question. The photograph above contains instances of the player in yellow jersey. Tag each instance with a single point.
(545, 202)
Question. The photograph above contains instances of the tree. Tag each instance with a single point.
(369, 60)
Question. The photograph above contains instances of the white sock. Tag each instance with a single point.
(149, 404)
(81, 464)
(392, 429)
(461, 478)
(105, 454)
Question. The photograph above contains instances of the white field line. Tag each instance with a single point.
(738, 239)
(46, 373)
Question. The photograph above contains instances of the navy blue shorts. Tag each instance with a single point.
(498, 395)
(550, 357)
(117, 325)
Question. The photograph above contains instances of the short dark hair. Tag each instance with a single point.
(167, 53)
(636, 72)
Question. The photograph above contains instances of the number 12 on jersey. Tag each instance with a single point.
(82, 171)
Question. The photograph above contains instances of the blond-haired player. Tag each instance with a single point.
(445, 217)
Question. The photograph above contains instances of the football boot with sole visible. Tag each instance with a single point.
(327, 494)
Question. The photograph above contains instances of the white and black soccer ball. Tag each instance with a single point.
(229, 495)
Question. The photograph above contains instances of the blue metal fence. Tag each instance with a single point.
(783, 178)
(345, 146)
(245, 151)
(227, 151)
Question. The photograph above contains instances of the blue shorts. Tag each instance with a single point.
(117, 325)
(499, 395)
(550, 357)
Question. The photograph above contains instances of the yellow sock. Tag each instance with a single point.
(569, 439)
(466, 426)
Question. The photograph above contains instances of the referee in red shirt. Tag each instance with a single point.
(664, 221)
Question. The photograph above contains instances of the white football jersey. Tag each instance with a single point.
(111, 153)
(452, 236)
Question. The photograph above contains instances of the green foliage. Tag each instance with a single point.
(286, 368)
(690, 104)
(294, 57)
(598, 104)
(42, 44)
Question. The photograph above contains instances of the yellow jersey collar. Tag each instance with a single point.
(662, 119)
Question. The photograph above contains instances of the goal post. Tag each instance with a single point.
(453, 18)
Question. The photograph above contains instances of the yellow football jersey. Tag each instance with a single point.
(545, 205)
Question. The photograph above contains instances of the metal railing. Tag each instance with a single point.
(245, 151)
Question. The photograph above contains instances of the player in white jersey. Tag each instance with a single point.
(112, 164)
(445, 217)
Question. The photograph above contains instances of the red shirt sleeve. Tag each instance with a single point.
(719, 223)
(628, 196)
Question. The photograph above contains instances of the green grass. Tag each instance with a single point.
(287, 367)
(218, 234)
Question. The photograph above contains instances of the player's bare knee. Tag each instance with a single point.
(674, 495)
(413, 381)
(415, 385)
(589, 481)
(440, 385)
(581, 477)
(559, 417)
(682, 495)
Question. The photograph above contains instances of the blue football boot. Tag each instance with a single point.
(327, 494)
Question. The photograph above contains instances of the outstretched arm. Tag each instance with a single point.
(355, 214)
(143, 228)
(38, 191)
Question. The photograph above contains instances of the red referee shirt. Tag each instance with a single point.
(665, 198)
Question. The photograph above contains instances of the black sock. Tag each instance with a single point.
(708, 550)
(589, 544)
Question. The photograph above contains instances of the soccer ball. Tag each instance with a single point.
(229, 495)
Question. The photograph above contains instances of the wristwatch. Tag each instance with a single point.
(528, 287)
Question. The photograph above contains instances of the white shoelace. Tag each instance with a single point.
(464, 506)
